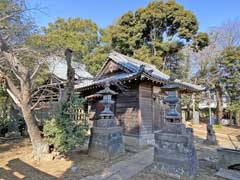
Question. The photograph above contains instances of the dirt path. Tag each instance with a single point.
(124, 170)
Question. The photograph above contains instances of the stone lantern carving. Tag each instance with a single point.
(174, 151)
(106, 116)
(106, 140)
(172, 100)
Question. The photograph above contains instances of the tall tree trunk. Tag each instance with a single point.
(231, 118)
(188, 112)
(238, 118)
(219, 108)
(5, 107)
(39, 147)
(69, 88)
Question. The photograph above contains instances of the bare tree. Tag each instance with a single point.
(228, 34)
(19, 66)
(205, 63)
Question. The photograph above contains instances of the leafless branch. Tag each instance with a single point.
(19, 11)
(38, 101)
(11, 15)
(35, 71)
(13, 64)
(43, 89)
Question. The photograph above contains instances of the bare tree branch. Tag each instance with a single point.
(39, 65)
(38, 101)
(14, 66)
(15, 99)
(12, 89)
(11, 15)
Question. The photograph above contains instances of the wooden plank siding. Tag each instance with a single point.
(146, 108)
(126, 111)
(158, 111)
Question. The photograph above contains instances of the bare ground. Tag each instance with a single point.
(16, 161)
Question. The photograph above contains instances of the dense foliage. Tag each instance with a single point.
(230, 73)
(3, 107)
(62, 131)
(155, 34)
(79, 35)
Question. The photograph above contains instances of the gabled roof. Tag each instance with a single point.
(58, 67)
(136, 67)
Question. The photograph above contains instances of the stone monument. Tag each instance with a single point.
(211, 137)
(195, 117)
(174, 151)
(106, 140)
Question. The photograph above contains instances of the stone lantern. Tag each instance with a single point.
(174, 151)
(106, 117)
(172, 100)
(106, 140)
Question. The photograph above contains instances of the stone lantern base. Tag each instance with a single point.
(174, 151)
(106, 142)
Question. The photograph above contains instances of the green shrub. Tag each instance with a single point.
(217, 126)
(3, 91)
(63, 132)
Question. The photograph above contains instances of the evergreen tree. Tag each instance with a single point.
(155, 34)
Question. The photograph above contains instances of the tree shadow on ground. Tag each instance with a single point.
(21, 167)
(16, 169)
(6, 146)
(238, 138)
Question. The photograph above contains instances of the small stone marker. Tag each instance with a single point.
(195, 117)
(74, 169)
(211, 137)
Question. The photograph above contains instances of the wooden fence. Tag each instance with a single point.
(76, 113)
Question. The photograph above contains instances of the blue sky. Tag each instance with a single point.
(103, 12)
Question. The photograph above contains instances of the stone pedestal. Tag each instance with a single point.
(174, 151)
(13, 134)
(106, 143)
(135, 143)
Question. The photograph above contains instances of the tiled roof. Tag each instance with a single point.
(114, 78)
(134, 66)
(58, 67)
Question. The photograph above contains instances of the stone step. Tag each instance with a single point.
(124, 170)
(228, 174)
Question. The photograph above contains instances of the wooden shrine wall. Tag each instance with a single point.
(127, 111)
(146, 107)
